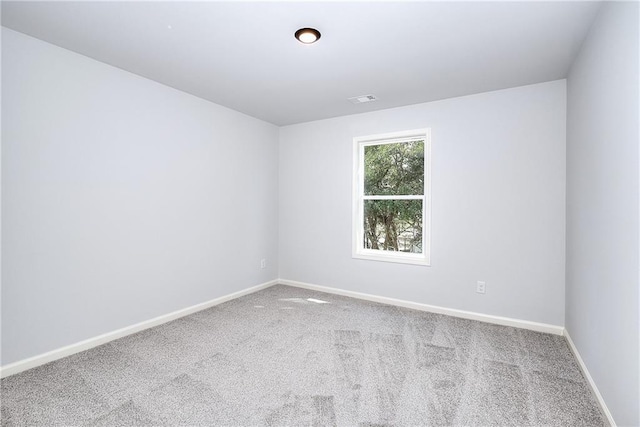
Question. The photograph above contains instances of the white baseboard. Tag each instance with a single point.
(41, 359)
(506, 321)
(592, 384)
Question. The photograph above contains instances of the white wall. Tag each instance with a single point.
(498, 196)
(122, 199)
(603, 208)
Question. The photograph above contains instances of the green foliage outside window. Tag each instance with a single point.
(395, 169)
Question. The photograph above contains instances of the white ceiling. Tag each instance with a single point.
(243, 55)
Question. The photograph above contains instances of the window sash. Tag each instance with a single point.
(360, 230)
(383, 141)
(394, 197)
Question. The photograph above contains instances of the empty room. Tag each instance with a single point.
(320, 213)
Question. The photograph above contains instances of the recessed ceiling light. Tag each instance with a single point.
(307, 35)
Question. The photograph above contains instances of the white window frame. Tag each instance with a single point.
(358, 249)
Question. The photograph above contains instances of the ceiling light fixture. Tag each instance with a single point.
(307, 35)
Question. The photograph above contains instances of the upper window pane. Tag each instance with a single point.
(394, 169)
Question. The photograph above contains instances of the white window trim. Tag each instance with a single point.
(358, 251)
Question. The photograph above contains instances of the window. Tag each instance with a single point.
(391, 197)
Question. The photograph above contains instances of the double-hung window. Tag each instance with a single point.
(391, 197)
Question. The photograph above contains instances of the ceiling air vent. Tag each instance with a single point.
(362, 99)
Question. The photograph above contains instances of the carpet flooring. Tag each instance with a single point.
(292, 357)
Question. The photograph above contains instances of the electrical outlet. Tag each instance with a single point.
(480, 287)
(263, 263)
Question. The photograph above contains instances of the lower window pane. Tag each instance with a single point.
(393, 225)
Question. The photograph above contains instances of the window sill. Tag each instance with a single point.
(395, 257)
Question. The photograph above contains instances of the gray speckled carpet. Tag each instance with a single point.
(288, 356)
